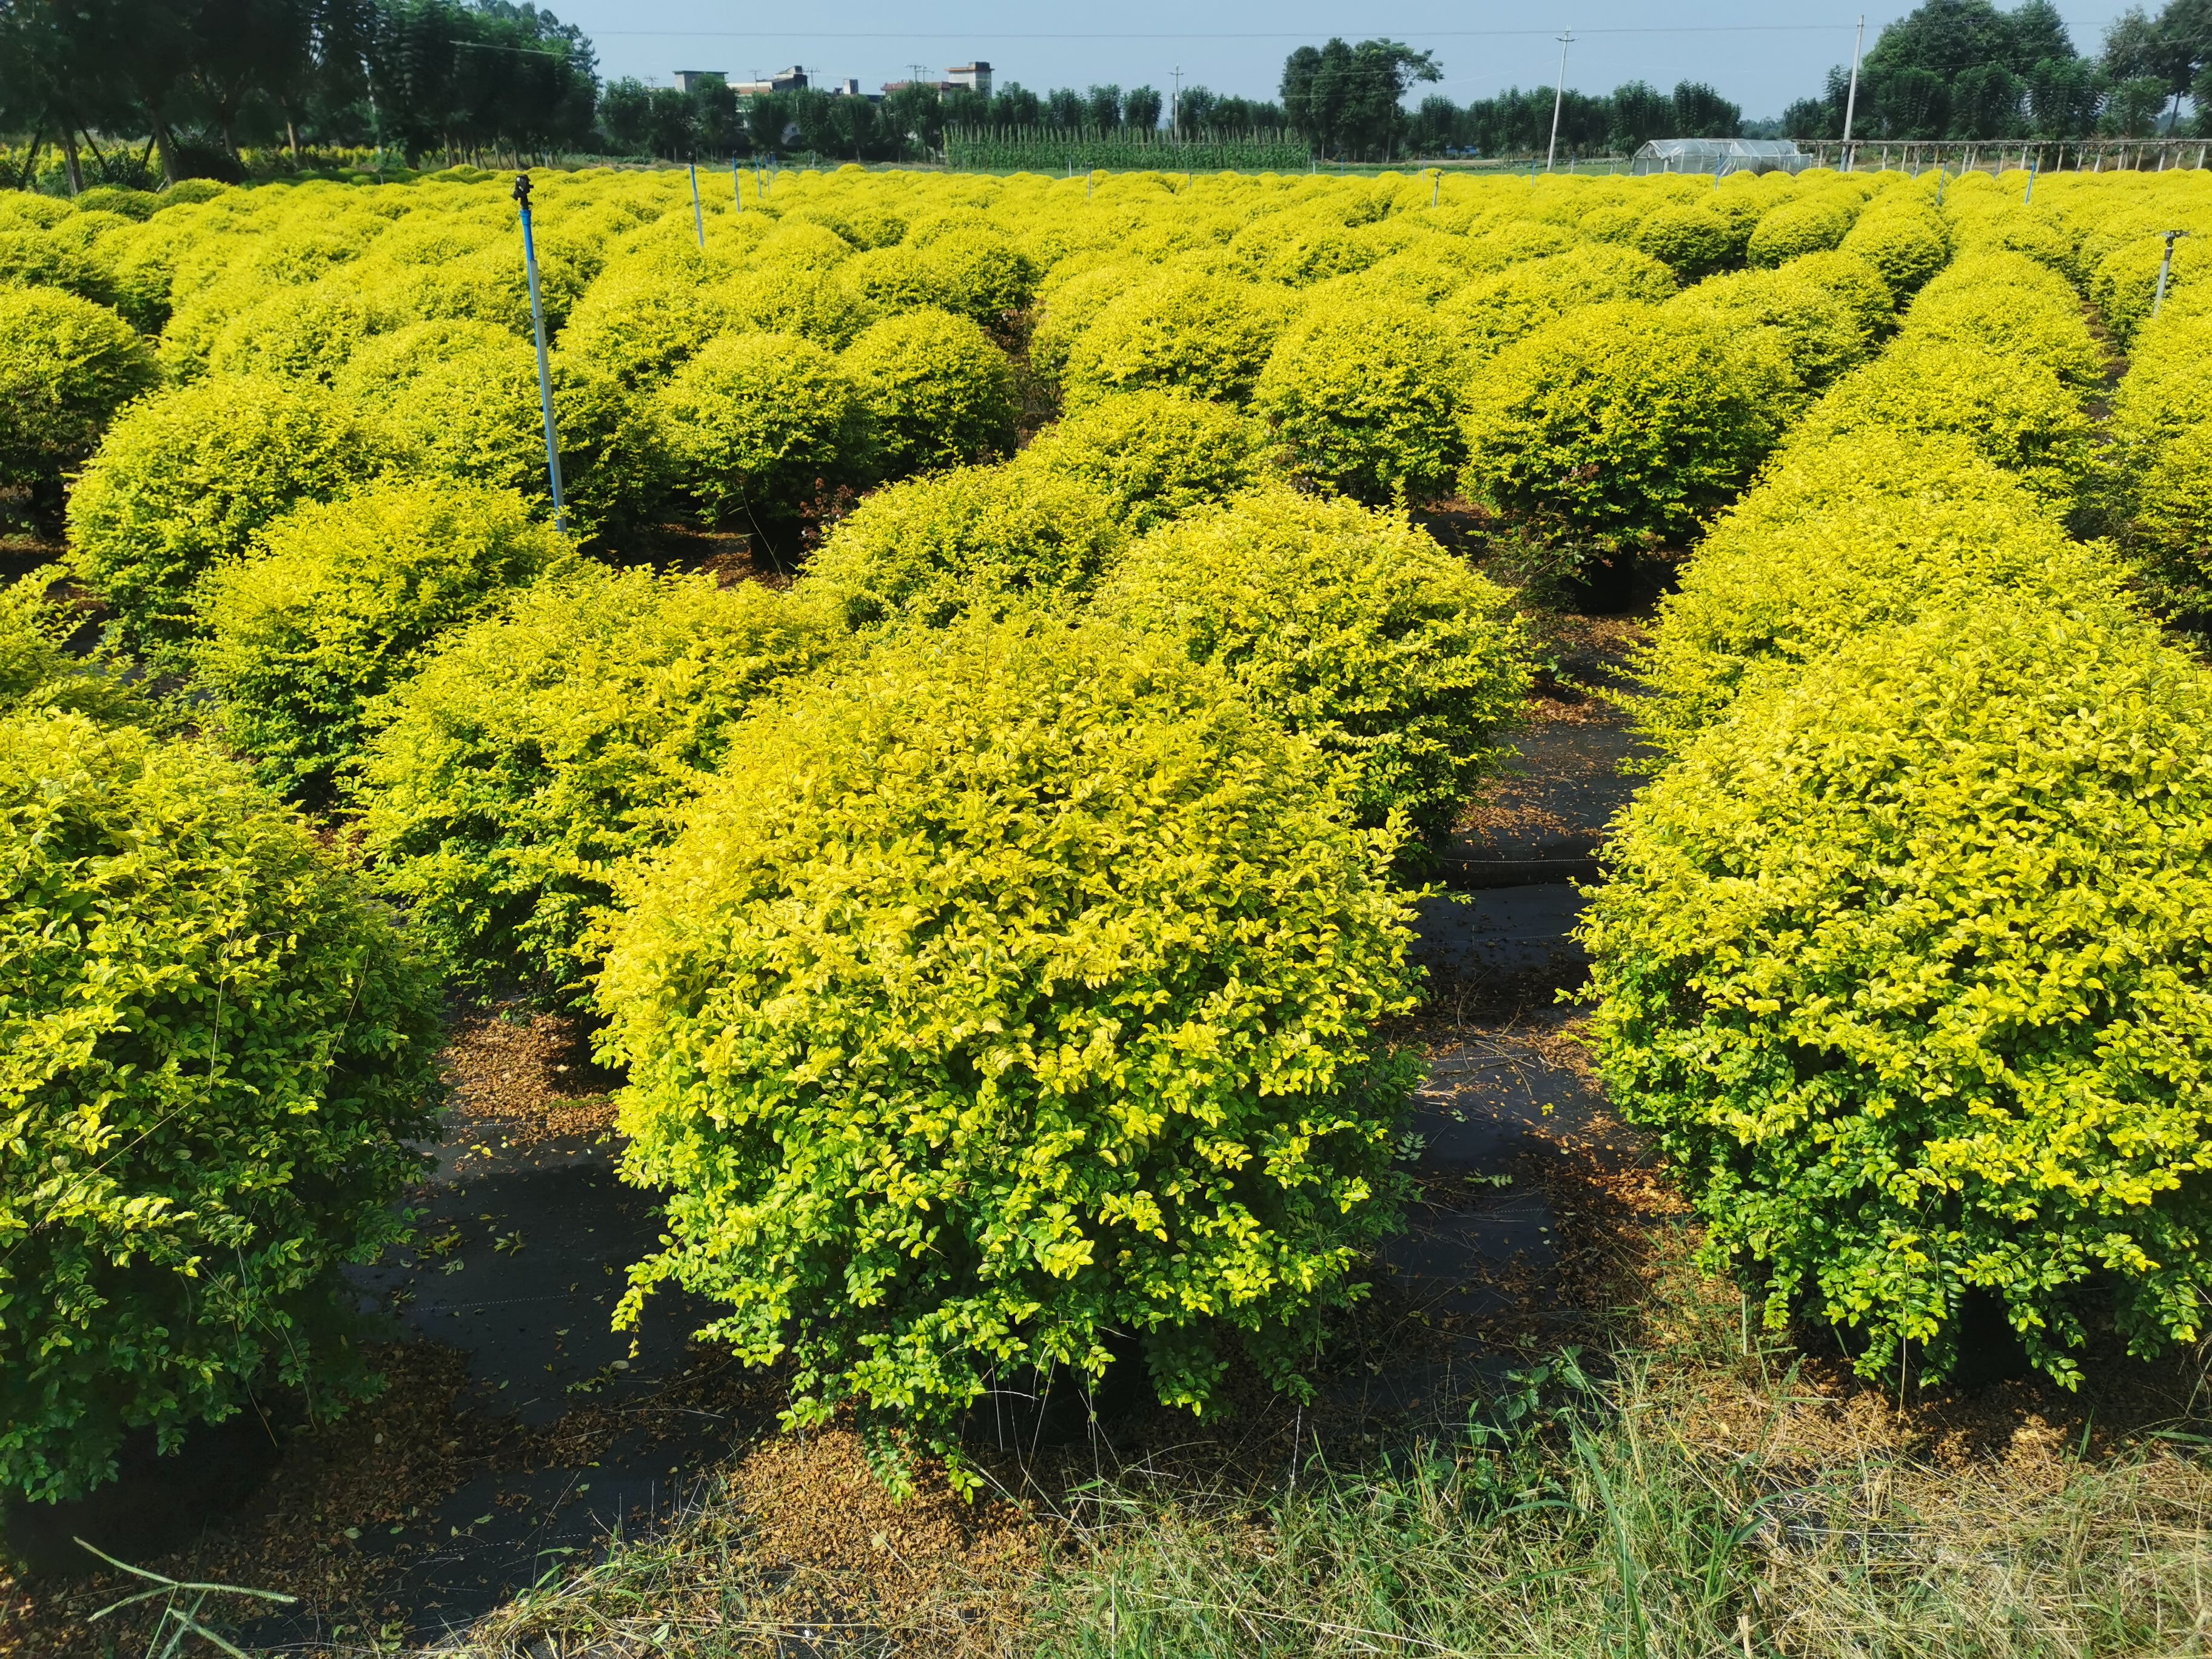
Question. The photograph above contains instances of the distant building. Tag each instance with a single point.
(847, 88)
(961, 77)
(790, 80)
(692, 80)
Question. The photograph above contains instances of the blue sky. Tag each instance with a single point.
(1762, 56)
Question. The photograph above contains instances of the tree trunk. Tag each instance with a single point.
(31, 159)
(70, 161)
(292, 139)
(166, 143)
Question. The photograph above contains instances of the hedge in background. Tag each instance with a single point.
(1153, 455)
(931, 549)
(1360, 390)
(184, 479)
(66, 365)
(552, 738)
(1352, 628)
(1620, 427)
(1014, 993)
(1906, 961)
(937, 392)
(338, 602)
(216, 1053)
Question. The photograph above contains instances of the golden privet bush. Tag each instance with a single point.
(337, 604)
(185, 478)
(1360, 391)
(929, 550)
(1620, 427)
(1012, 996)
(555, 736)
(1153, 455)
(1352, 628)
(1179, 330)
(937, 392)
(1906, 960)
(216, 1054)
(66, 365)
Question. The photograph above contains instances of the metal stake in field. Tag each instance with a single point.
(2164, 270)
(1851, 101)
(738, 183)
(698, 223)
(2033, 167)
(545, 372)
(1558, 97)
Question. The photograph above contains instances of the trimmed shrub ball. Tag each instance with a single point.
(216, 1053)
(754, 424)
(556, 736)
(929, 550)
(937, 392)
(185, 478)
(66, 367)
(337, 604)
(1014, 995)
(1352, 628)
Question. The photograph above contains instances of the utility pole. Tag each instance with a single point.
(1174, 105)
(1558, 97)
(1851, 102)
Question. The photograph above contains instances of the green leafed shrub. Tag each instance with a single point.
(1793, 229)
(1621, 427)
(37, 670)
(1013, 993)
(1153, 455)
(1205, 335)
(2016, 412)
(1905, 962)
(929, 550)
(216, 1054)
(66, 365)
(1354, 628)
(754, 423)
(937, 391)
(556, 737)
(1361, 393)
(1818, 332)
(185, 478)
(1843, 540)
(339, 603)
(34, 258)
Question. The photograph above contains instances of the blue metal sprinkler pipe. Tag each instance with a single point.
(544, 371)
(698, 224)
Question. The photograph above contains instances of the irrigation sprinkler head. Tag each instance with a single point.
(522, 190)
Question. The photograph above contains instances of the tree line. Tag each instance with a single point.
(178, 88)
(1966, 69)
(906, 123)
